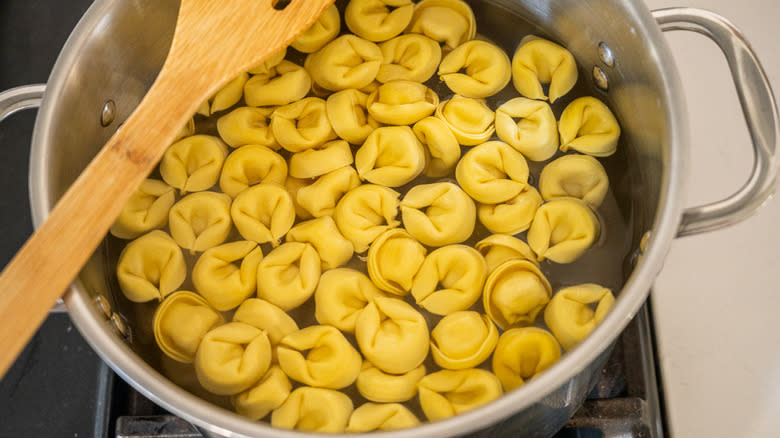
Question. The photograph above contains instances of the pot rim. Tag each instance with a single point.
(99, 333)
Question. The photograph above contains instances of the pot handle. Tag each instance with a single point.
(758, 105)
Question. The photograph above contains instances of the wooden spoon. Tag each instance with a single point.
(215, 41)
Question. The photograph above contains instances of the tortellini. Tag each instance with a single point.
(522, 353)
(272, 320)
(394, 259)
(268, 394)
(321, 197)
(365, 212)
(349, 117)
(282, 85)
(450, 279)
(378, 386)
(562, 230)
(346, 62)
(180, 323)
(441, 146)
(401, 102)
(314, 410)
(569, 315)
(321, 160)
(498, 248)
(450, 22)
(334, 249)
(150, 267)
(330, 361)
(270, 63)
(410, 57)
(391, 156)
(476, 69)
(146, 210)
(534, 134)
(341, 296)
(302, 125)
(293, 186)
(220, 281)
(539, 62)
(226, 97)
(449, 392)
(392, 335)
(200, 221)
(513, 216)
(263, 213)
(372, 416)
(193, 163)
(588, 126)
(492, 173)
(463, 340)
(250, 165)
(288, 275)
(515, 292)
(438, 214)
(471, 120)
(247, 125)
(232, 357)
(320, 33)
(576, 176)
(378, 20)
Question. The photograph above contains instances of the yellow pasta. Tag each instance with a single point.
(226, 97)
(392, 335)
(438, 214)
(463, 340)
(321, 197)
(146, 210)
(220, 281)
(588, 126)
(401, 102)
(302, 125)
(293, 186)
(393, 260)
(513, 216)
(409, 57)
(450, 392)
(315, 162)
(378, 386)
(492, 173)
(341, 296)
(471, 120)
(365, 212)
(570, 316)
(498, 248)
(285, 83)
(391, 156)
(528, 126)
(322, 233)
(450, 22)
(450, 279)
(231, 358)
(263, 213)
(562, 230)
(320, 33)
(288, 275)
(539, 62)
(378, 20)
(150, 267)
(247, 125)
(329, 361)
(349, 117)
(515, 292)
(270, 63)
(441, 146)
(522, 353)
(272, 320)
(180, 322)
(476, 69)
(200, 221)
(193, 163)
(372, 416)
(265, 396)
(346, 62)
(576, 176)
(314, 410)
(251, 165)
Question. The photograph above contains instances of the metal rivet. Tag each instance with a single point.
(600, 78)
(121, 326)
(605, 53)
(102, 303)
(108, 114)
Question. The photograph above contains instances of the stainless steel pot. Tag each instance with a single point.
(116, 50)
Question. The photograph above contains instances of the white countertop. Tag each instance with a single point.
(717, 301)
